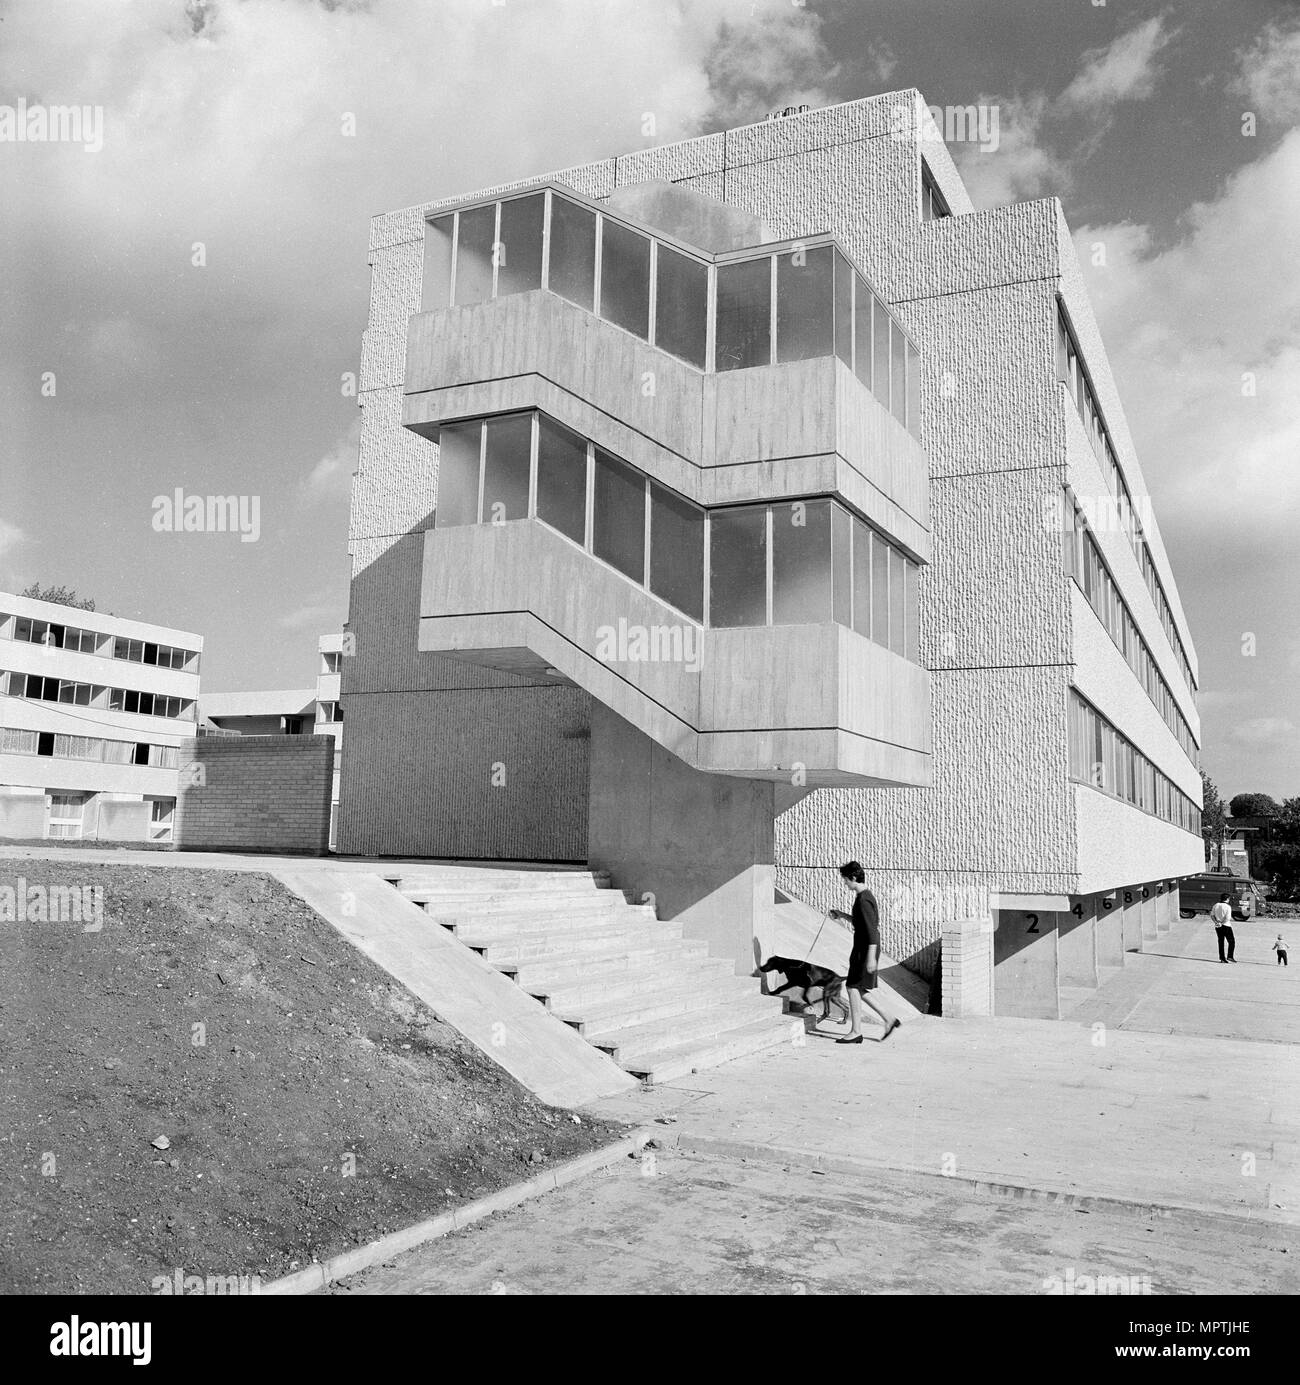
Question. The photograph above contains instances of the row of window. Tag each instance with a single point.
(39, 689)
(787, 563)
(1109, 761)
(1071, 371)
(1083, 562)
(763, 309)
(72, 637)
(14, 741)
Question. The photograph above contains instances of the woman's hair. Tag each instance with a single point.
(851, 870)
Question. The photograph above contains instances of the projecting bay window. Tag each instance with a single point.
(766, 307)
(792, 562)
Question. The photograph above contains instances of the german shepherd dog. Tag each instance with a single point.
(810, 982)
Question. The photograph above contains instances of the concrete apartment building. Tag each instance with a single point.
(93, 713)
(732, 508)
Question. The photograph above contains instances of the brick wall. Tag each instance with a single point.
(255, 793)
(967, 967)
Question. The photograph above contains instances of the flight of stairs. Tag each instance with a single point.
(629, 982)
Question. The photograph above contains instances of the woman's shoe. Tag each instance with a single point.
(897, 1024)
(850, 1039)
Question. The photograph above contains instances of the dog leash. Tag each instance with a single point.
(826, 918)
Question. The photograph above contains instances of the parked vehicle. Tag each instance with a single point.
(1198, 894)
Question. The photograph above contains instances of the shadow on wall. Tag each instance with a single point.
(445, 758)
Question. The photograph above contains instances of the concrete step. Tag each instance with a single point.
(680, 1060)
(513, 899)
(569, 997)
(628, 1045)
(478, 931)
(594, 1022)
(478, 880)
(524, 919)
(677, 959)
(600, 940)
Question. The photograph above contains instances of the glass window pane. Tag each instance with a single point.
(862, 578)
(677, 551)
(618, 521)
(572, 271)
(879, 590)
(862, 330)
(897, 602)
(458, 459)
(681, 305)
(913, 391)
(912, 612)
(519, 262)
(625, 278)
(505, 468)
(474, 254)
(801, 562)
(880, 337)
(738, 566)
(841, 571)
(437, 263)
(898, 373)
(843, 310)
(561, 479)
(804, 304)
(743, 329)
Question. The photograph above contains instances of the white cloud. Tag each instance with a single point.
(1188, 326)
(1268, 74)
(10, 536)
(1262, 731)
(320, 615)
(331, 477)
(1124, 70)
(1039, 137)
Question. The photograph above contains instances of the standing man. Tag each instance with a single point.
(1222, 916)
(864, 961)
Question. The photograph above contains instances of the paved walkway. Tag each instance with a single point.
(722, 1226)
(1177, 985)
(1051, 1106)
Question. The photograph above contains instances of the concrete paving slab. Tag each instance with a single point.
(1143, 1118)
(689, 1224)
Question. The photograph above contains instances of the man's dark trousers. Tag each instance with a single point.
(1227, 938)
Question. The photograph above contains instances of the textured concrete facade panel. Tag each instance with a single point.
(995, 593)
(396, 286)
(1120, 845)
(687, 161)
(396, 482)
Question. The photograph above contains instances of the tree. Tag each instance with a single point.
(1279, 863)
(1253, 805)
(63, 596)
(1213, 815)
(1286, 827)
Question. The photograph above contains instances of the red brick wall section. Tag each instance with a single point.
(255, 793)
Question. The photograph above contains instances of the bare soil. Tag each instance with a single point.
(307, 1102)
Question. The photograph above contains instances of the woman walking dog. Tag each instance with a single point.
(864, 961)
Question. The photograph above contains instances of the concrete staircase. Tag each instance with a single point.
(630, 983)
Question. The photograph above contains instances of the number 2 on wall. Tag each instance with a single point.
(1033, 923)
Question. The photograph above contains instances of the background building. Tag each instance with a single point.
(1062, 796)
(93, 710)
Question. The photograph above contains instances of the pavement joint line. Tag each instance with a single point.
(323, 1273)
(714, 1145)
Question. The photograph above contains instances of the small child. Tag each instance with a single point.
(1280, 948)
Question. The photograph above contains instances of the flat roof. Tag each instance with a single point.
(284, 702)
(99, 621)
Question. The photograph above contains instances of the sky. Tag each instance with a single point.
(183, 294)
